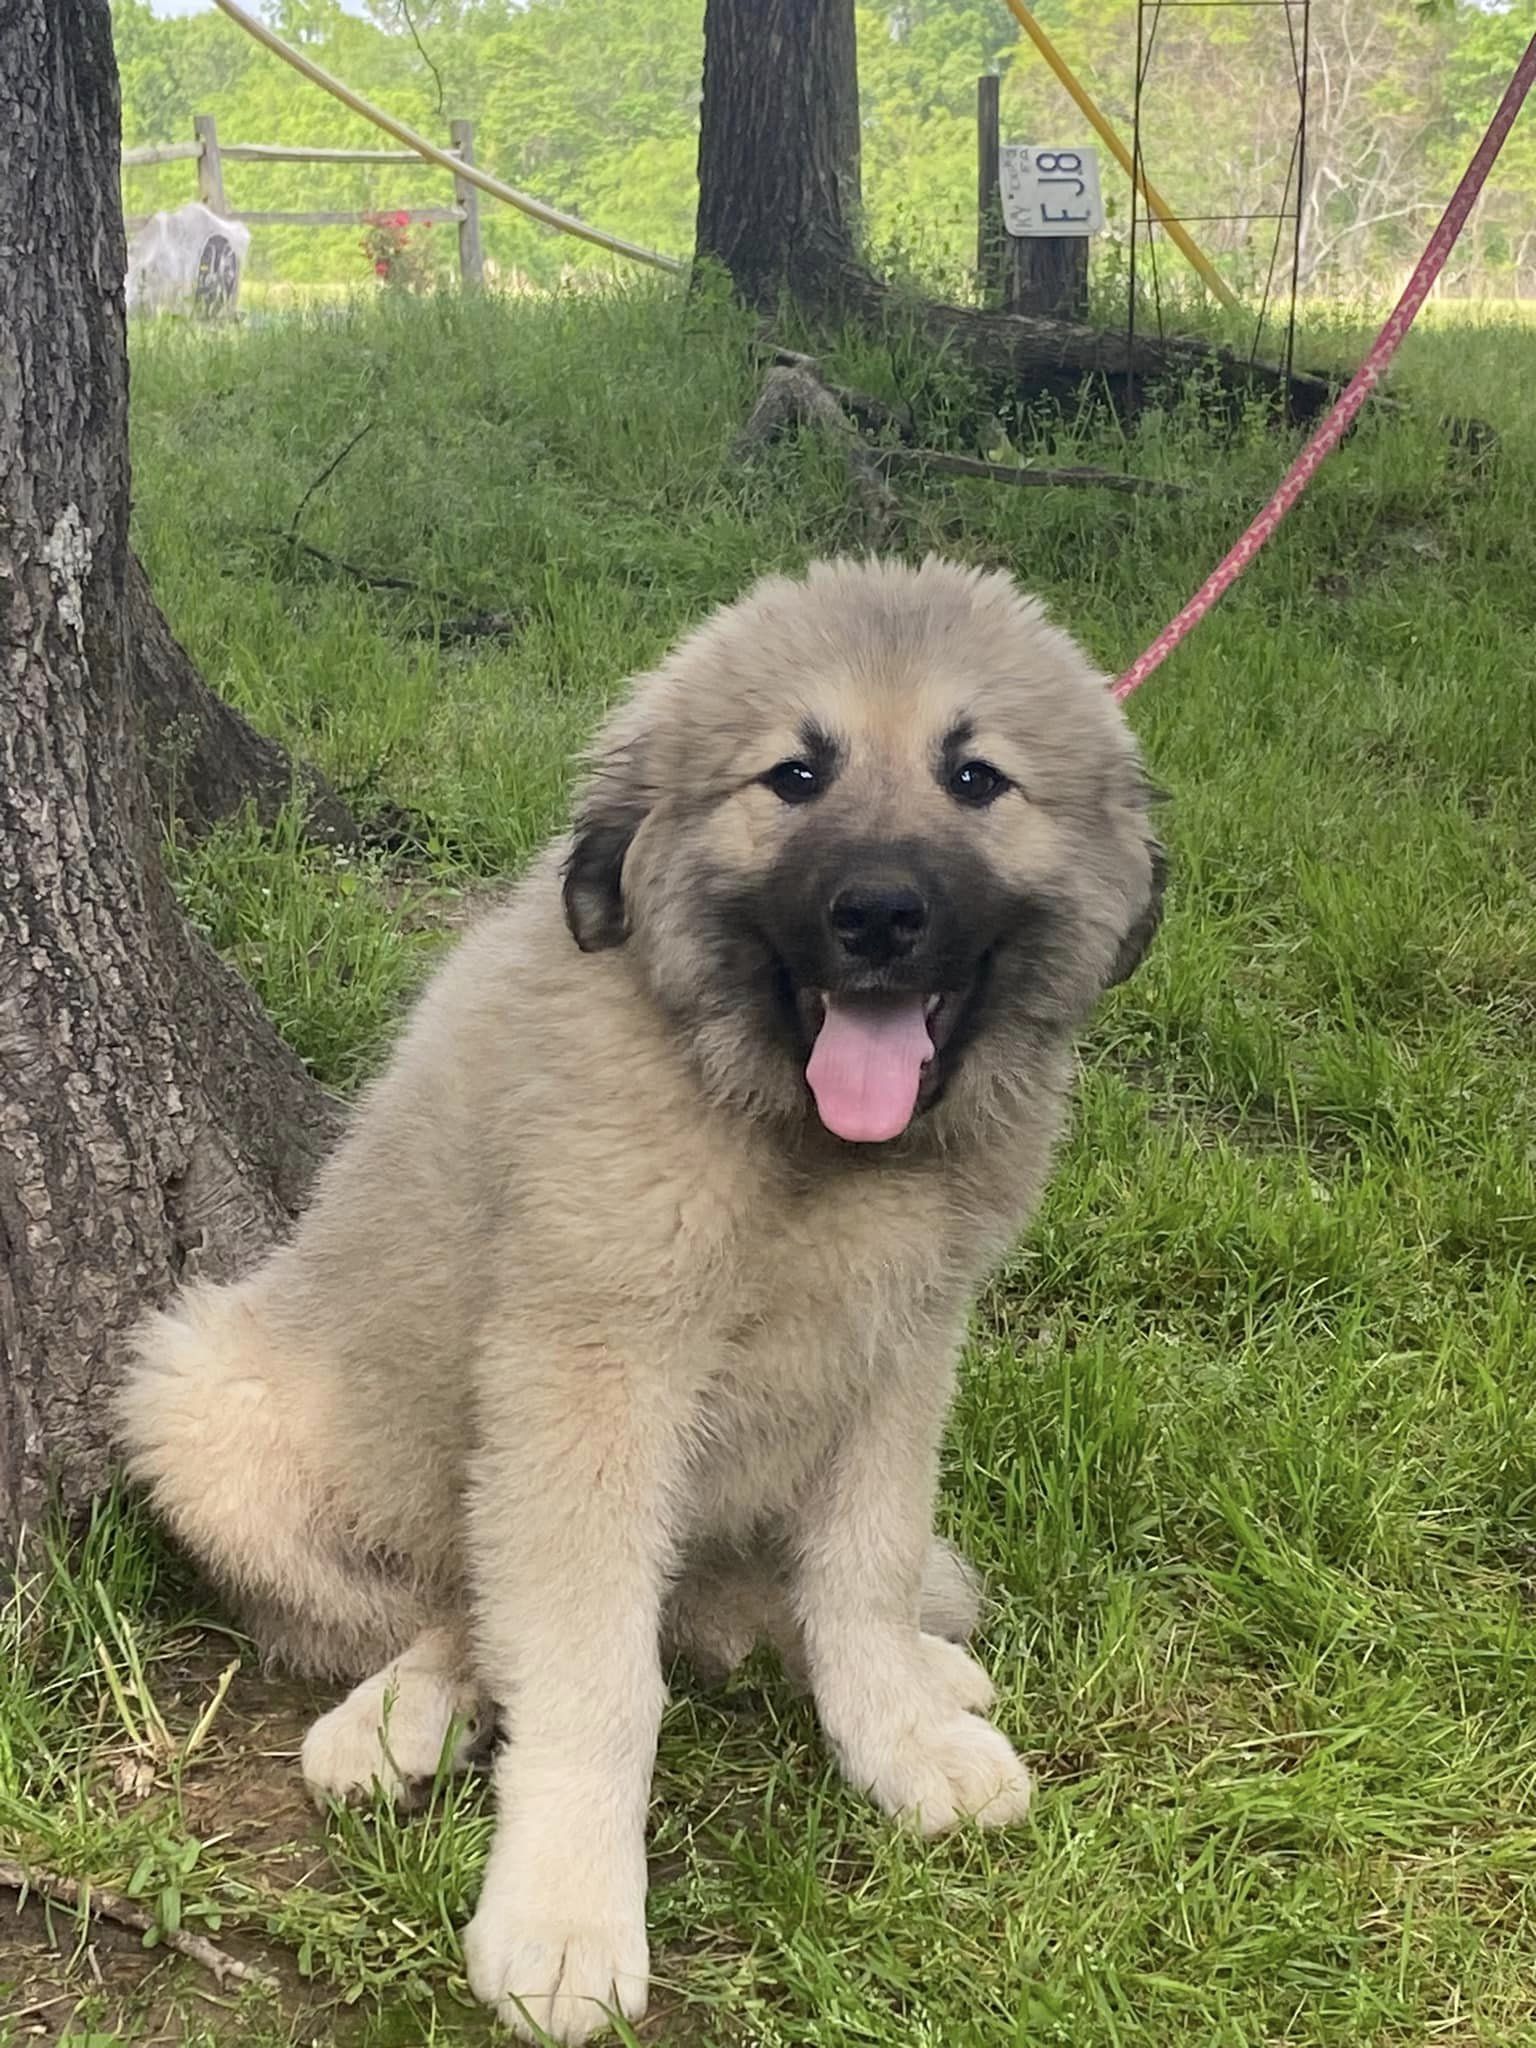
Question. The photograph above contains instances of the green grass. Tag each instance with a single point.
(1247, 1443)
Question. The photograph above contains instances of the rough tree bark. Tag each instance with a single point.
(151, 1122)
(204, 761)
(778, 185)
(779, 144)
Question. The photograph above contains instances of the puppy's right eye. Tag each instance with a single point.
(794, 782)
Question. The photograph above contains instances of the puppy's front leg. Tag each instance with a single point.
(903, 1709)
(570, 1545)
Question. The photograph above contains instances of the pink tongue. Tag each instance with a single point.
(867, 1064)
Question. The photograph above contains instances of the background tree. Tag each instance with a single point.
(152, 1125)
(779, 145)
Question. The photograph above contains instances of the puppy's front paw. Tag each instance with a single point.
(905, 1717)
(938, 1772)
(565, 1977)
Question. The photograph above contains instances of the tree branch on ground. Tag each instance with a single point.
(451, 632)
(103, 1904)
(1030, 476)
(793, 395)
(797, 397)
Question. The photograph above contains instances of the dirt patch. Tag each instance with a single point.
(61, 1982)
(244, 1789)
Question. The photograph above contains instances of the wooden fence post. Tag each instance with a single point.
(989, 204)
(1026, 273)
(1046, 274)
(471, 256)
(210, 169)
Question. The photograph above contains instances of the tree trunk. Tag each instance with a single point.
(205, 762)
(779, 144)
(151, 1122)
(778, 203)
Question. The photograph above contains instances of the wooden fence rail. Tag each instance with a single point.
(210, 156)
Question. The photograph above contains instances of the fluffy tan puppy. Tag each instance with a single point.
(627, 1313)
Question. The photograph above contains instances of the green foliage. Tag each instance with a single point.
(593, 106)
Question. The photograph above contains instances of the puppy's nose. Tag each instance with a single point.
(878, 921)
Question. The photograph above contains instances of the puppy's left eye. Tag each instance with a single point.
(977, 782)
(794, 782)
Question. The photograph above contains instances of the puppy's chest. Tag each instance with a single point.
(821, 1306)
(837, 1266)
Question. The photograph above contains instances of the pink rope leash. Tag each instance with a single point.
(1360, 387)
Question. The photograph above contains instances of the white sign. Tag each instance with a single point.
(1050, 191)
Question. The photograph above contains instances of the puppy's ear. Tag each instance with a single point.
(609, 816)
(1141, 934)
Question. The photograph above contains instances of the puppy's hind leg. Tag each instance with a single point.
(393, 1731)
(951, 1599)
(723, 1608)
(229, 1434)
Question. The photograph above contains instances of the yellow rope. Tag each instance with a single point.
(1155, 201)
(470, 173)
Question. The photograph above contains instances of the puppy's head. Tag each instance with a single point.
(868, 834)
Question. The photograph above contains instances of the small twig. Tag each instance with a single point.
(793, 394)
(126, 1912)
(437, 76)
(371, 579)
(478, 626)
(1029, 478)
(449, 632)
(41, 2005)
(325, 476)
(768, 349)
(793, 359)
